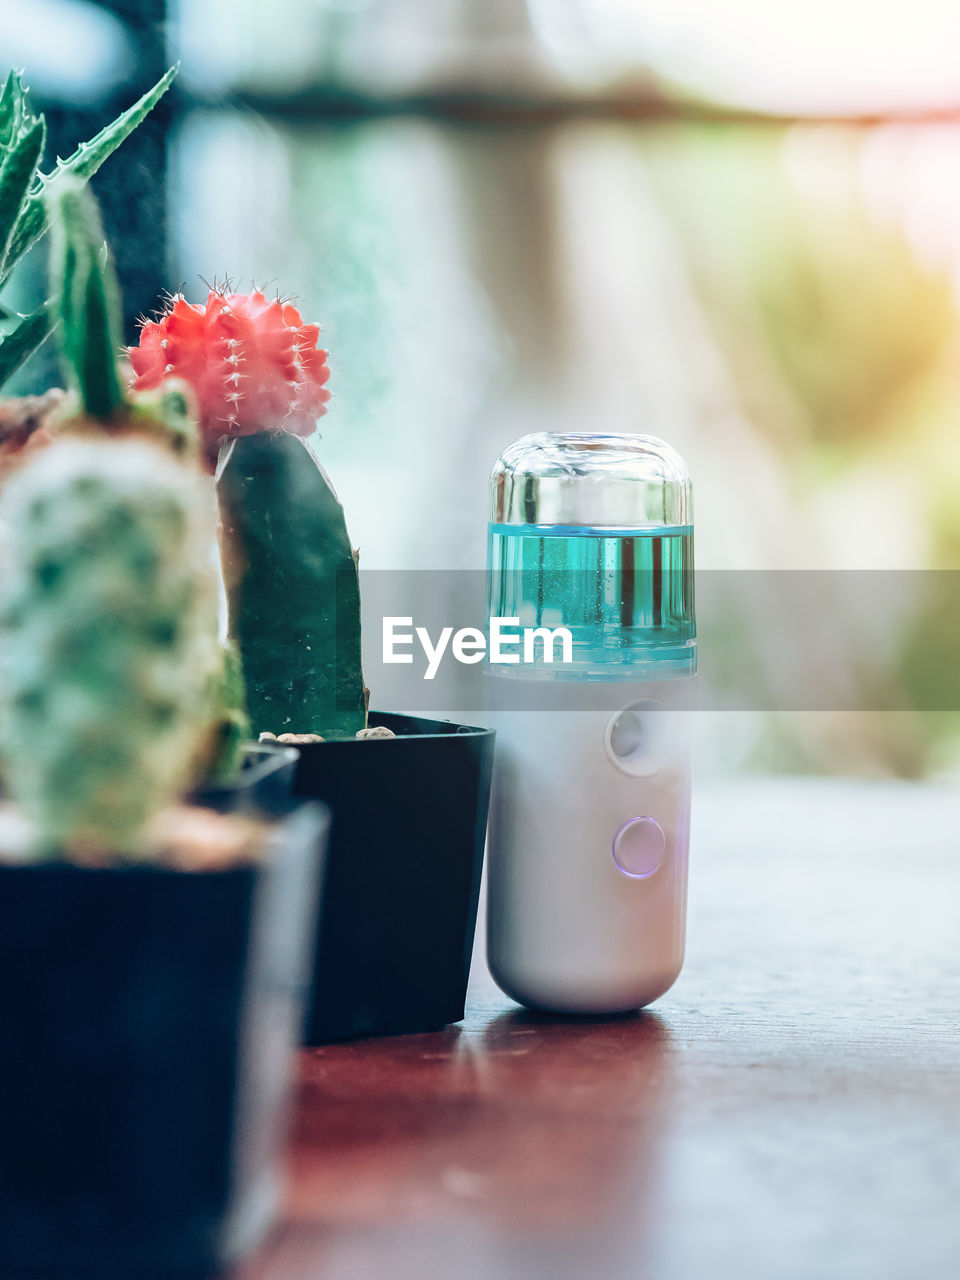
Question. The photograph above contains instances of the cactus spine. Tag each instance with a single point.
(107, 639)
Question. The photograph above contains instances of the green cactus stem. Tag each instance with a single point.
(23, 187)
(292, 586)
(108, 647)
(86, 297)
(222, 753)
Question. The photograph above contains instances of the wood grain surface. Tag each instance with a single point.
(789, 1111)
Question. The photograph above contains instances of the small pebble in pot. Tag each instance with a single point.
(291, 739)
(376, 731)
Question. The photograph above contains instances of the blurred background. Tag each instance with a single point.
(732, 223)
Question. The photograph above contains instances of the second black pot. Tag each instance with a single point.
(399, 907)
(147, 1022)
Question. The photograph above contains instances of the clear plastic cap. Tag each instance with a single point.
(615, 482)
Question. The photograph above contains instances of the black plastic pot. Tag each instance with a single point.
(147, 1018)
(399, 908)
(263, 785)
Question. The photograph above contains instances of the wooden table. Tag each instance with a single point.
(790, 1110)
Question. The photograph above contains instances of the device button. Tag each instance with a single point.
(637, 738)
(638, 847)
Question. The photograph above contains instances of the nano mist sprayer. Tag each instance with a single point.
(591, 810)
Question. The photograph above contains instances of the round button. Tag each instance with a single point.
(637, 738)
(638, 847)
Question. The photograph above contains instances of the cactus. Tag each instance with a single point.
(292, 586)
(107, 639)
(23, 188)
(253, 364)
(291, 576)
(85, 297)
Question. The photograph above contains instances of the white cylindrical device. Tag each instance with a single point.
(592, 536)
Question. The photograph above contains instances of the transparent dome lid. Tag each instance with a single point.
(611, 482)
(594, 533)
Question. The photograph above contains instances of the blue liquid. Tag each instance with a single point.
(626, 596)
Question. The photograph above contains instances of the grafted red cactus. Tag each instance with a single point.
(253, 364)
(289, 568)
